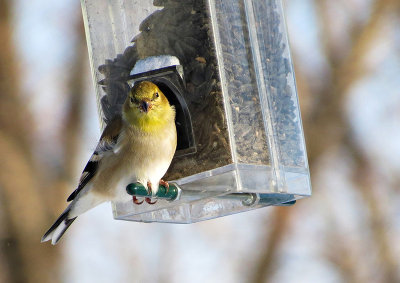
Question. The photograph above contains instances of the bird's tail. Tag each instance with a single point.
(58, 228)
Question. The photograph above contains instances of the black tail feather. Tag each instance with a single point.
(67, 223)
(61, 220)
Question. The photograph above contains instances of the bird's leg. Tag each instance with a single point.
(136, 201)
(148, 200)
(165, 184)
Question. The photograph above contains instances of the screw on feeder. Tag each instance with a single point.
(253, 199)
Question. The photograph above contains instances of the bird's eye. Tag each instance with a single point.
(157, 94)
(132, 99)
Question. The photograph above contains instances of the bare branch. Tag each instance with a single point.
(327, 126)
(364, 178)
(275, 231)
(24, 213)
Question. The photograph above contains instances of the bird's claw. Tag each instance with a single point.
(150, 192)
(136, 201)
(148, 200)
(165, 184)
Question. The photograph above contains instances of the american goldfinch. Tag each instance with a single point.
(135, 147)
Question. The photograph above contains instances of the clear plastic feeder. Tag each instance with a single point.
(240, 137)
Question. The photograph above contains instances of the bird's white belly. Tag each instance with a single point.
(147, 168)
(157, 171)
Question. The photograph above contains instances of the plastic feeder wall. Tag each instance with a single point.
(240, 137)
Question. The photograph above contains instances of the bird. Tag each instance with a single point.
(136, 146)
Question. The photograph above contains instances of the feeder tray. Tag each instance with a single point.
(179, 198)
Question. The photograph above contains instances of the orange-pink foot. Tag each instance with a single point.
(165, 184)
(150, 192)
(136, 201)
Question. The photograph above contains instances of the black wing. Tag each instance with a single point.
(107, 142)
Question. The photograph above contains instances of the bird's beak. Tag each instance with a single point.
(145, 106)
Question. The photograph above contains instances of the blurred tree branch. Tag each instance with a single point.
(327, 128)
(276, 231)
(330, 119)
(73, 122)
(24, 212)
(364, 178)
(73, 125)
(339, 253)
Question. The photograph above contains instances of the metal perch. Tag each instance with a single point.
(176, 193)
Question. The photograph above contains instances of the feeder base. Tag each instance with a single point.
(220, 192)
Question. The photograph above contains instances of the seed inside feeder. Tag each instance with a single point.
(183, 29)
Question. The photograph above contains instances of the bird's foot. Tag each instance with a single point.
(165, 184)
(136, 201)
(150, 192)
(148, 200)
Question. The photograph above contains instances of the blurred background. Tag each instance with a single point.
(347, 61)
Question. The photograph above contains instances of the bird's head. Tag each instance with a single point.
(147, 107)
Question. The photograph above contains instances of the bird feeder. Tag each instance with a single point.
(226, 67)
